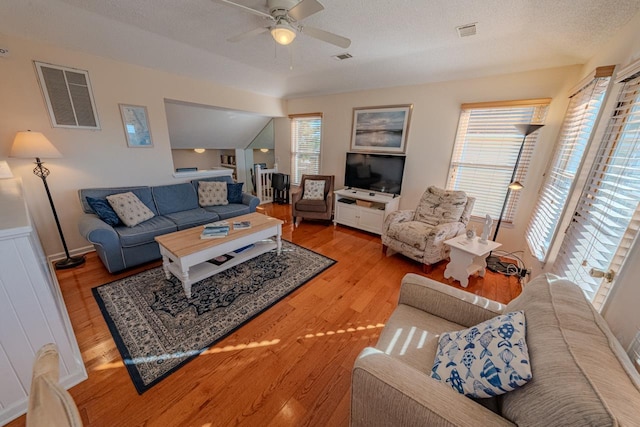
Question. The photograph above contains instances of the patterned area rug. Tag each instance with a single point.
(157, 329)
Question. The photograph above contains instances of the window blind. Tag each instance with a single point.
(607, 218)
(486, 149)
(306, 138)
(575, 135)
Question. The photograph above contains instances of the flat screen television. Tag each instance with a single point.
(374, 172)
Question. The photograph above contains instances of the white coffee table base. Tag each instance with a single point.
(194, 267)
(468, 256)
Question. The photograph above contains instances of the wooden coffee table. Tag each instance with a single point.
(185, 254)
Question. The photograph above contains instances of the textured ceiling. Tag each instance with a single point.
(394, 42)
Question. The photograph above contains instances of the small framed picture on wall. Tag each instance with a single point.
(136, 125)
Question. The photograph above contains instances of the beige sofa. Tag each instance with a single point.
(581, 376)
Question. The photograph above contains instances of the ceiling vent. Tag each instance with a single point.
(342, 56)
(467, 30)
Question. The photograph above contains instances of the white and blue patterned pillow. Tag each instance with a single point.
(313, 189)
(486, 360)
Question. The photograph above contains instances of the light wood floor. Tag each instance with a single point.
(290, 366)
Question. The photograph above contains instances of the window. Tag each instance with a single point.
(485, 152)
(607, 218)
(67, 93)
(306, 137)
(573, 140)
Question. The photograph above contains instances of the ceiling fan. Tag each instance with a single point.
(284, 22)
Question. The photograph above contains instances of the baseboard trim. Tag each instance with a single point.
(74, 252)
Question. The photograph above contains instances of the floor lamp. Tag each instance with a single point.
(34, 144)
(526, 130)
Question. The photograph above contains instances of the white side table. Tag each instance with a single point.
(467, 257)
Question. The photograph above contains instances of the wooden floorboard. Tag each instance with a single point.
(289, 366)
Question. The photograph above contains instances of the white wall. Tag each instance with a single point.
(187, 158)
(436, 108)
(98, 158)
(260, 157)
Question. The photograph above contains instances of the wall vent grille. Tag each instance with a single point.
(342, 56)
(467, 30)
(67, 93)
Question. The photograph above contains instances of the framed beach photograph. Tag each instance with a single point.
(136, 125)
(381, 129)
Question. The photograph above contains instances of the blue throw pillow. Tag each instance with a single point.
(234, 192)
(486, 360)
(103, 209)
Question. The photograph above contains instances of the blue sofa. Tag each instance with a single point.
(175, 208)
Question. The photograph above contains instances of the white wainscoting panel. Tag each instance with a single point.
(32, 311)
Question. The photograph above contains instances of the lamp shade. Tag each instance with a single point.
(29, 144)
(283, 34)
(516, 185)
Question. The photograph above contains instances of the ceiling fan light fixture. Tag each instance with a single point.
(283, 34)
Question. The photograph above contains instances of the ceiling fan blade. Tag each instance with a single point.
(326, 36)
(245, 8)
(305, 8)
(248, 34)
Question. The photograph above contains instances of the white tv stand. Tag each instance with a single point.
(363, 209)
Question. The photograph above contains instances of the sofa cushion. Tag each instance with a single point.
(175, 198)
(105, 212)
(228, 211)
(412, 233)
(145, 231)
(439, 206)
(305, 205)
(143, 193)
(129, 208)
(224, 178)
(192, 217)
(212, 193)
(234, 192)
(486, 360)
(411, 335)
(581, 375)
(313, 189)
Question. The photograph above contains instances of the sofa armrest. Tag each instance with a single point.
(251, 201)
(452, 304)
(397, 216)
(96, 230)
(296, 194)
(446, 231)
(329, 201)
(387, 392)
(104, 239)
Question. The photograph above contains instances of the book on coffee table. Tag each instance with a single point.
(244, 248)
(219, 260)
(241, 225)
(210, 233)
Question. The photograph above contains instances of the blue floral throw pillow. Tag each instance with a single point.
(105, 212)
(234, 192)
(486, 360)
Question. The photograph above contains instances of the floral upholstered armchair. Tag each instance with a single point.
(420, 234)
